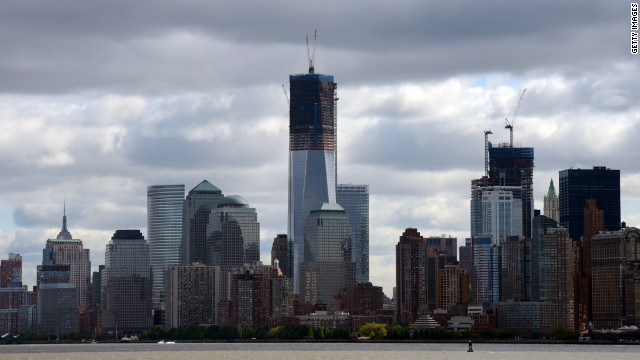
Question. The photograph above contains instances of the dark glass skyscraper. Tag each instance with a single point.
(513, 166)
(195, 216)
(355, 201)
(312, 154)
(578, 185)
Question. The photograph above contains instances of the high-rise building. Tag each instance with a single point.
(11, 270)
(234, 232)
(355, 201)
(57, 300)
(558, 261)
(485, 276)
(411, 279)
(578, 185)
(446, 245)
(616, 278)
(540, 225)
(126, 284)
(280, 254)
(164, 233)
(496, 211)
(65, 250)
(191, 295)
(197, 206)
(327, 265)
(312, 154)
(551, 205)
(513, 166)
(515, 269)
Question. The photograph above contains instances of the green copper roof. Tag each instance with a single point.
(233, 200)
(328, 207)
(552, 190)
(206, 187)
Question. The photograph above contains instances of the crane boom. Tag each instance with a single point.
(509, 125)
(311, 55)
(285, 94)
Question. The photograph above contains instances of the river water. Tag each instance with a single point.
(309, 351)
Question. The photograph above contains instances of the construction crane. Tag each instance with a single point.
(311, 56)
(285, 94)
(509, 125)
(486, 152)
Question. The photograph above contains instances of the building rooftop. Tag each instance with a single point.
(233, 201)
(328, 207)
(206, 187)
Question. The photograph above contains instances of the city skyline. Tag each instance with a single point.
(95, 113)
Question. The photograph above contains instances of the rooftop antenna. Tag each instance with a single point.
(509, 125)
(311, 56)
(486, 152)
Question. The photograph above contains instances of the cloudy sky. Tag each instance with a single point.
(98, 100)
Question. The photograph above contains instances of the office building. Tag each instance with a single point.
(616, 278)
(280, 254)
(513, 166)
(312, 154)
(411, 280)
(551, 203)
(126, 284)
(515, 269)
(11, 271)
(65, 250)
(11, 299)
(540, 225)
(355, 201)
(327, 265)
(496, 211)
(234, 232)
(196, 209)
(485, 276)
(57, 300)
(579, 185)
(164, 233)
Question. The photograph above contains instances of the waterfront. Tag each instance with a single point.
(309, 351)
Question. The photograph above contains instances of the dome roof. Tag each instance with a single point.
(233, 201)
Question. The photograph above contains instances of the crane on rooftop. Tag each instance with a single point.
(486, 152)
(311, 56)
(509, 125)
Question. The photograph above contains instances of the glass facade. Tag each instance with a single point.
(126, 284)
(355, 201)
(234, 232)
(312, 154)
(578, 185)
(485, 285)
(164, 232)
(197, 206)
(327, 265)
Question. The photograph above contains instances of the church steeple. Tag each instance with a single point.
(552, 190)
(64, 233)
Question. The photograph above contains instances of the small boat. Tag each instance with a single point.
(166, 342)
(125, 339)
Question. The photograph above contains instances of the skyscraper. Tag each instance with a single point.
(355, 201)
(65, 250)
(578, 185)
(513, 166)
(164, 233)
(126, 284)
(496, 211)
(551, 208)
(197, 206)
(312, 153)
(485, 279)
(234, 232)
(411, 278)
(280, 254)
(327, 265)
